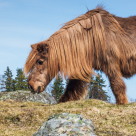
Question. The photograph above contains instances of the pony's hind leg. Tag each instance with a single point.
(76, 90)
(118, 88)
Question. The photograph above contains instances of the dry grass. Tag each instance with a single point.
(25, 118)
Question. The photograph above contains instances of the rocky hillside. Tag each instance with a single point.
(25, 118)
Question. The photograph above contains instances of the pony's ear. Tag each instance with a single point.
(34, 46)
(42, 48)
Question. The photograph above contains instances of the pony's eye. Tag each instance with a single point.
(40, 62)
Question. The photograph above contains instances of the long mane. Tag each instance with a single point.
(81, 42)
(72, 48)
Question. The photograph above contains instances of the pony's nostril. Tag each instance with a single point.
(30, 87)
(39, 88)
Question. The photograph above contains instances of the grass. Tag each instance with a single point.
(25, 118)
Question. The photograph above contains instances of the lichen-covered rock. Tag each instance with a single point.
(43, 97)
(66, 124)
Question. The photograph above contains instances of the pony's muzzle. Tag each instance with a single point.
(34, 88)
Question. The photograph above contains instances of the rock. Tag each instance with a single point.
(66, 124)
(43, 97)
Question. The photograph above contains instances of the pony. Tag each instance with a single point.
(96, 40)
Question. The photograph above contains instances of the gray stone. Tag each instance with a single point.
(63, 134)
(43, 97)
(66, 124)
(75, 129)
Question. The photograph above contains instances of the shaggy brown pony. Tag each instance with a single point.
(96, 40)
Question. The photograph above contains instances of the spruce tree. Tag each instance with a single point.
(21, 81)
(2, 83)
(8, 79)
(96, 88)
(58, 88)
(13, 86)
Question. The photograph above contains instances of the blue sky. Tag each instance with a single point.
(24, 22)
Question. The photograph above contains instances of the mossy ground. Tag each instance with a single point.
(25, 118)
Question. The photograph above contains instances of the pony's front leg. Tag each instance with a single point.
(118, 88)
(76, 90)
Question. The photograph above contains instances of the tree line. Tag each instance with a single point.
(8, 83)
(95, 87)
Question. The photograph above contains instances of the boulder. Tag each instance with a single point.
(27, 96)
(66, 124)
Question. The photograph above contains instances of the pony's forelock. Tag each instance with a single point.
(31, 60)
